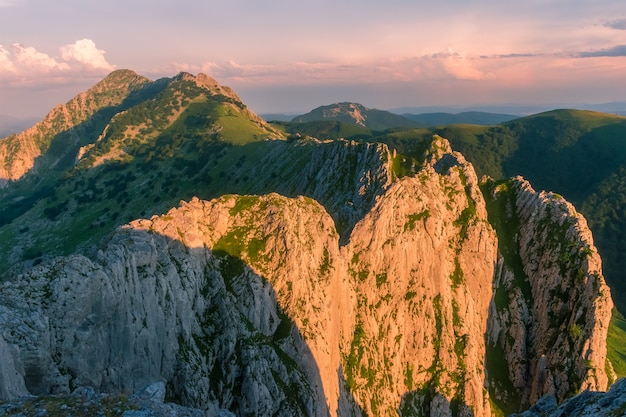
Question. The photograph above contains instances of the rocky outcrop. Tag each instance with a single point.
(147, 402)
(11, 375)
(261, 306)
(422, 262)
(551, 309)
(346, 177)
(250, 303)
(156, 304)
(585, 404)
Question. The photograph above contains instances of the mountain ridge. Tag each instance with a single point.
(293, 276)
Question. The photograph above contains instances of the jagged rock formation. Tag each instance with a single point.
(551, 308)
(250, 303)
(585, 404)
(84, 401)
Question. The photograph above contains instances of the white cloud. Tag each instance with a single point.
(85, 52)
(26, 66)
(6, 63)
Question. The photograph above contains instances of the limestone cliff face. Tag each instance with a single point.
(156, 304)
(552, 307)
(258, 305)
(250, 303)
(422, 262)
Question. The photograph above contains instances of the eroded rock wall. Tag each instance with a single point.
(551, 309)
(257, 305)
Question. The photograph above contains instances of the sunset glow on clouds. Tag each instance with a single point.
(296, 55)
(24, 65)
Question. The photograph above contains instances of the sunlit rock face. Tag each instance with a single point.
(261, 306)
(552, 307)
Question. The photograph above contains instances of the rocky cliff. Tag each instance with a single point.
(549, 317)
(260, 305)
(586, 404)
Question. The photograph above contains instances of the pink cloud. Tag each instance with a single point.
(17, 58)
(445, 65)
(26, 66)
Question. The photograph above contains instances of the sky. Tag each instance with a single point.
(290, 56)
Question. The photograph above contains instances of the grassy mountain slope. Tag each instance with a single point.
(327, 129)
(50, 145)
(126, 161)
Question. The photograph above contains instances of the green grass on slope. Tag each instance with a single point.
(616, 343)
(89, 202)
(329, 129)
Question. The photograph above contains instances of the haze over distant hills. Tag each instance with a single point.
(470, 117)
(617, 107)
(10, 124)
(479, 114)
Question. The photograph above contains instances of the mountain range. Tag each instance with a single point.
(160, 234)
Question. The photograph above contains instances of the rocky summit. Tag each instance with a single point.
(360, 282)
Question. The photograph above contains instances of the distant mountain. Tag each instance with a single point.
(127, 107)
(473, 117)
(616, 107)
(279, 117)
(125, 148)
(356, 114)
(513, 109)
(520, 110)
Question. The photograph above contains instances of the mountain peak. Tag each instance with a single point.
(207, 83)
(358, 114)
(120, 79)
(355, 110)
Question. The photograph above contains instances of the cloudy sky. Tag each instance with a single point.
(294, 55)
